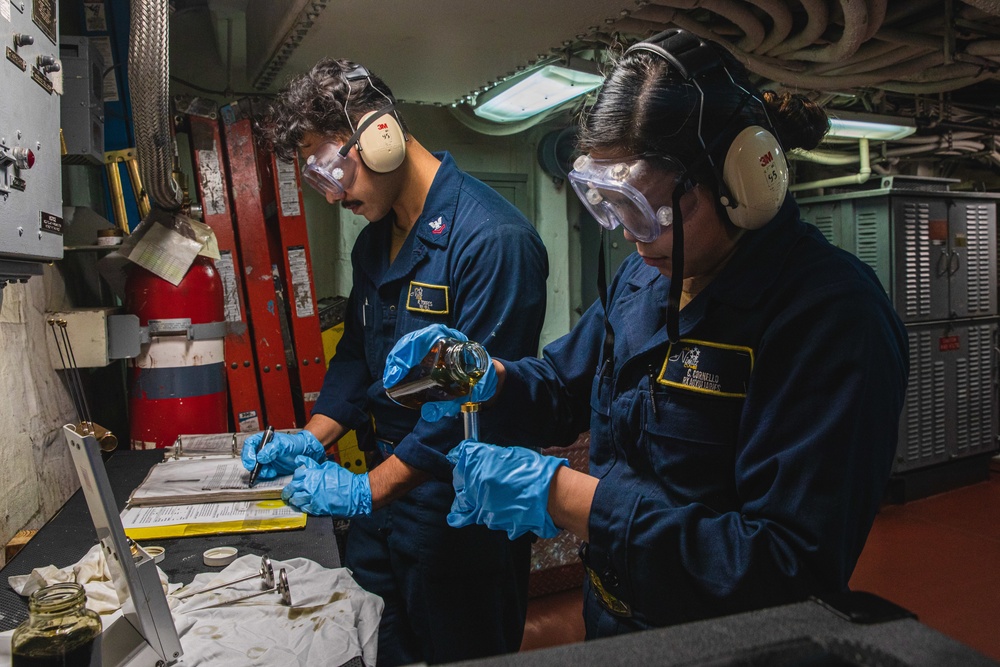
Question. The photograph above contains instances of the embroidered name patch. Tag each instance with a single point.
(708, 368)
(607, 600)
(424, 298)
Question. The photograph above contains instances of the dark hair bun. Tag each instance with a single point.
(800, 122)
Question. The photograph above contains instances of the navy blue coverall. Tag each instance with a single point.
(474, 263)
(743, 466)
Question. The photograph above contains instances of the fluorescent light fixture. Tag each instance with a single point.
(543, 89)
(846, 125)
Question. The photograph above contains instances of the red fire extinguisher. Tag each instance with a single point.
(177, 383)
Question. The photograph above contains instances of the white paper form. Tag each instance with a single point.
(144, 517)
(201, 480)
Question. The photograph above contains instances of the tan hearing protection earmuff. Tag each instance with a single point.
(753, 179)
(380, 138)
(382, 145)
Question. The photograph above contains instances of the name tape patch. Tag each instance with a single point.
(708, 368)
(426, 298)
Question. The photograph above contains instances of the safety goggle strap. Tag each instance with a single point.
(676, 268)
(602, 291)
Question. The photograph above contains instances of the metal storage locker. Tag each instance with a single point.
(935, 252)
(950, 410)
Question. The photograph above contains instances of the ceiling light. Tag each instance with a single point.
(539, 91)
(846, 125)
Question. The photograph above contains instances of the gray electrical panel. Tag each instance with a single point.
(82, 101)
(935, 252)
(30, 172)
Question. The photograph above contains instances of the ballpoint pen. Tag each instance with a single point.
(268, 434)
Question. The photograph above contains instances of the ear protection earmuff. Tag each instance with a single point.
(753, 178)
(379, 137)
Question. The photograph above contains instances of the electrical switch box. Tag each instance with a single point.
(31, 223)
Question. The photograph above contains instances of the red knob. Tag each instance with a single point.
(24, 158)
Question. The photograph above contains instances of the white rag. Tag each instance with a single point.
(332, 620)
(91, 571)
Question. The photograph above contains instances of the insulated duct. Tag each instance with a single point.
(149, 73)
(834, 45)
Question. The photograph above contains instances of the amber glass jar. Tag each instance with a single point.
(450, 370)
(60, 630)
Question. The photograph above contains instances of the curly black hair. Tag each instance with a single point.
(315, 102)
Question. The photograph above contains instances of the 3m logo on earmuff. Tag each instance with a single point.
(379, 136)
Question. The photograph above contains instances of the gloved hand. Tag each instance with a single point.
(410, 350)
(504, 488)
(278, 456)
(328, 489)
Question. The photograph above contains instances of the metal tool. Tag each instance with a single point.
(266, 574)
(470, 417)
(266, 438)
(281, 588)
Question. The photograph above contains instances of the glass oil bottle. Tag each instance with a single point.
(448, 371)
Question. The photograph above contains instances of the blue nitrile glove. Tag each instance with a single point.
(278, 456)
(503, 488)
(410, 350)
(481, 392)
(328, 489)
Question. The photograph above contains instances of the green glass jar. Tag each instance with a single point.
(60, 630)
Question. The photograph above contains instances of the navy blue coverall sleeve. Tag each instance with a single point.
(500, 303)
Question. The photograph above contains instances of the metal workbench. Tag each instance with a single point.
(68, 536)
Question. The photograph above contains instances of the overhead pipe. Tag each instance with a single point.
(864, 173)
(901, 11)
(817, 18)
(884, 55)
(781, 23)
(819, 82)
(965, 130)
(830, 158)
(949, 35)
(876, 17)
(856, 19)
(741, 17)
(783, 74)
(991, 7)
(913, 37)
(653, 12)
(931, 139)
(941, 148)
(639, 25)
(736, 13)
(893, 70)
(984, 47)
(937, 146)
(939, 80)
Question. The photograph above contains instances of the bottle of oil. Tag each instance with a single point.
(60, 630)
(450, 370)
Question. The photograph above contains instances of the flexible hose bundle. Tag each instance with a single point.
(149, 70)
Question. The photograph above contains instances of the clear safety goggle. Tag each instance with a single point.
(331, 169)
(613, 192)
